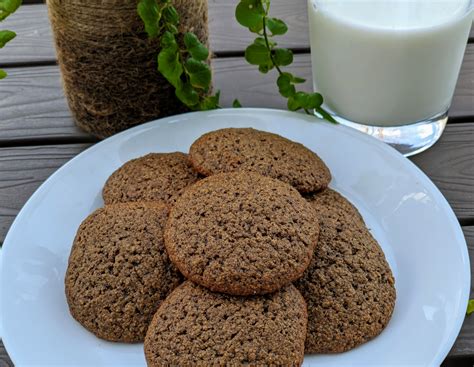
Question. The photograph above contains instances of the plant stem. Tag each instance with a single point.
(265, 35)
(267, 43)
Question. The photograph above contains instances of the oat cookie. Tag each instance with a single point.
(195, 327)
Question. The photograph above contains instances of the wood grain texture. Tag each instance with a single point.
(23, 170)
(34, 42)
(464, 345)
(450, 164)
(5, 360)
(33, 105)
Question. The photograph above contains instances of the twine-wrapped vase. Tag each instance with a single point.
(108, 64)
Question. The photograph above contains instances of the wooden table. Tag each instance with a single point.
(37, 134)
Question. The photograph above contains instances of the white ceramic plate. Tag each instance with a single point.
(407, 214)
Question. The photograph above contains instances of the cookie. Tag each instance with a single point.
(157, 177)
(348, 287)
(230, 150)
(241, 233)
(331, 204)
(119, 272)
(195, 327)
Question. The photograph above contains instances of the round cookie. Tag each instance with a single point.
(195, 327)
(230, 150)
(241, 233)
(155, 177)
(119, 272)
(331, 204)
(348, 287)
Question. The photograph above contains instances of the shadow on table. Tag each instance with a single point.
(459, 362)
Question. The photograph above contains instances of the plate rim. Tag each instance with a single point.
(425, 181)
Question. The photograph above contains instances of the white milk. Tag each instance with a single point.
(388, 63)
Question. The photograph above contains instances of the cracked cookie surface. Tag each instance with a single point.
(250, 150)
(348, 287)
(119, 271)
(241, 233)
(159, 177)
(195, 327)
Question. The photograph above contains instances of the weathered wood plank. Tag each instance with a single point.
(450, 164)
(464, 345)
(5, 360)
(34, 42)
(33, 105)
(22, 171)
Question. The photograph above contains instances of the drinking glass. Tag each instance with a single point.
(389, 67)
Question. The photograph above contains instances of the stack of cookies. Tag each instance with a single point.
(237, 253)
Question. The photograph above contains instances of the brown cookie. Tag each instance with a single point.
(119, 272)
(157, 177)
(195, 327)
(241, 233)
(349, 287)
(230, 150)
(331, 204)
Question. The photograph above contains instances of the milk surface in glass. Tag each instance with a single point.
(388, 63)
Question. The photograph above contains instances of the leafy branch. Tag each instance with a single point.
(182, 59)
(264, 53)
(7, 7)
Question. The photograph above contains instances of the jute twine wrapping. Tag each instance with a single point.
(108, 65)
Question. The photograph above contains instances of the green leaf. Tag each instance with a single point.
(8, 7)
(6, 36)
(294, 79)
(293, 105)
(210, 102)
(187, 95)
(276, 26)
(168, 42)
(3, 74)
(325, 115)
(257, 54)
(283, 57)
(299, 100)
(313, 101)
(470, 307)
(150, 14)
(250, 13)
(168, 60)
(170, 15)
(264, 69)
(199, 73)
(285, 87)
(261, 41)
(195, 47)
(236, 104)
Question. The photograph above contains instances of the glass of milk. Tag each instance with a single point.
(389, 67)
